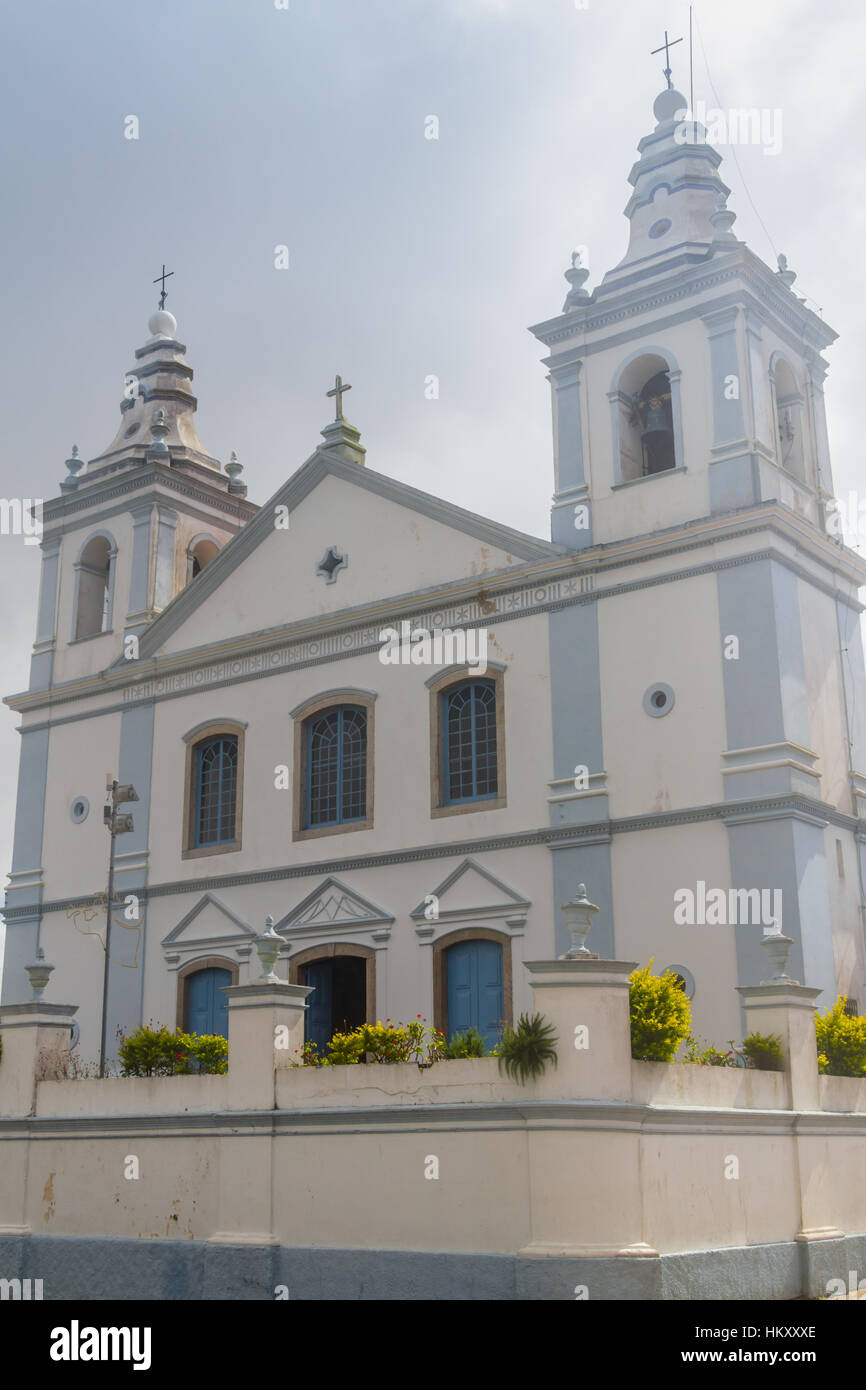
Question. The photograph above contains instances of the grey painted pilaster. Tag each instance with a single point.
(768, 743)
(139, 613)
(570, 479)
(818, 417)
(25, 887)
(784, 852)
(576, 716)
(759, 424)
(126, 969)
(728, 423)
(734, 475)
(674, 377)
(163, 588)
(42, 661)
(765, 687)
(853, 680)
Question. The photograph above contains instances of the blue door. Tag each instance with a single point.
(473, 971)
(207, 1006)
(319, 974)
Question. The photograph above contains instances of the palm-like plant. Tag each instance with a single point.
(525, 1051)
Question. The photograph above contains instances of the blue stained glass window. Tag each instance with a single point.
(216, 790)
(337, 766)
(469, 742)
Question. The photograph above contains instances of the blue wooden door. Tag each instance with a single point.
(207, 1006)
(474, 988)
(319, 974)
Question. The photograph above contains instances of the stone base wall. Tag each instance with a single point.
(82, 1268)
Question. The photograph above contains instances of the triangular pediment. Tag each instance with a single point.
(470, 890)
(330, 907)
(394, 541)
(210, 921)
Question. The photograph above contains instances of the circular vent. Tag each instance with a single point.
(79, 809)
(658, 699)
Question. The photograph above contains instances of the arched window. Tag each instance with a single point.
(789, 412)
(469, 758)
(216, 764)
(94, 587)
(645, 418)
(336, 767)
(213, 808)
(199, 554)
(467, 740)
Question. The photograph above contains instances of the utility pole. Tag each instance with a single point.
(115, 824)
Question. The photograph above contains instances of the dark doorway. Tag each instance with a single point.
(339, 1002)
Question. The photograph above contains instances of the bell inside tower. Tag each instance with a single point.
(644, 418)
(655, 417)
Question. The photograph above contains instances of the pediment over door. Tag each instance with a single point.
(471, 893)
(209, 924)
(334, 907)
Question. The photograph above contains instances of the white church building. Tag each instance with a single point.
(668, 704)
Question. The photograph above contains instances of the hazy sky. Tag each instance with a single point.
(305, 127)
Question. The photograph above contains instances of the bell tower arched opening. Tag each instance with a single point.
(645, 419)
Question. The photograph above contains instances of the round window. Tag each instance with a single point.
(684, 978)
(658, 699)
(79, 809)
(659, 228)
(133, 429)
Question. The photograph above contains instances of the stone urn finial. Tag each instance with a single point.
(579, 913)
(269, 944)
(159, 429)
(778, 948)
(38, 974)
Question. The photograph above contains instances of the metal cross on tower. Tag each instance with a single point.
(338, 390)
(162, 279)
(667, 45)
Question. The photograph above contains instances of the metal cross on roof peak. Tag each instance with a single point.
(667, 45)
(338, 390)
(162, 279)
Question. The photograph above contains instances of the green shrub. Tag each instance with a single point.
(467, 1044)
(841, 1042)
(764, 1051)
(148, 1052)
(206, 1053)
(159, 1052)
(708, 1056)
(345, 1049)
(524, 1051)
(386, 1042)
(660, 1015)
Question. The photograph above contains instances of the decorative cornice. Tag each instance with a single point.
(569, 580)
(787, 804)
(146, 475)
(640, 300)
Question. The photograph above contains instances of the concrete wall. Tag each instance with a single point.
(631, 1179)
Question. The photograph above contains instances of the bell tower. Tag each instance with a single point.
(689, 382)
(135, 524)
(710, 677)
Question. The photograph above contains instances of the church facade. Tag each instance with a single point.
(665, 702)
